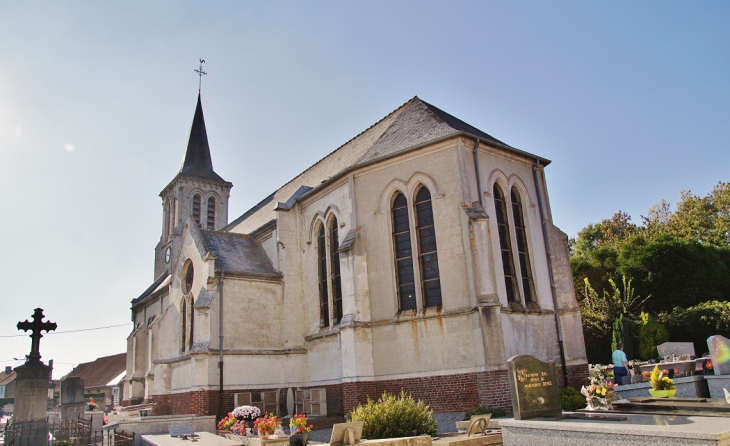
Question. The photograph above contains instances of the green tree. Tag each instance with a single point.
(651, 334)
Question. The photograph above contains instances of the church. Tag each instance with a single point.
(418, 256)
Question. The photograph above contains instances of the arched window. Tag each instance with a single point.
(505, 244)
(335, 260)
(211, 213)
(324, 311)
(403, 254)
(196, 208)
(184, 329)
(192, 323)
(427, 254)
(523, 255)
(166, 220)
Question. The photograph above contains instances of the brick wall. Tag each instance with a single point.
(449, 393)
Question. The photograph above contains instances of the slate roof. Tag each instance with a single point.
(151, 288)
(98, 373)
(6, 378)
(238, 253)
(414, 124)
(197, 162)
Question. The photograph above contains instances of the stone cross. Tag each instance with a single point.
(36, 327)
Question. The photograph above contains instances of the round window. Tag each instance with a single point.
(188, 283)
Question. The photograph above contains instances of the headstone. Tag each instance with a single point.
(675, 348)
(534, 387)
(72, 398)
(180, 430)
(720, 352)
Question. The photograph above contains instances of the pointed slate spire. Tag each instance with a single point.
(197, 161)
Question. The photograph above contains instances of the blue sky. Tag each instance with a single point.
(630, 100)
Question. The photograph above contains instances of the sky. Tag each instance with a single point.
(630, 101)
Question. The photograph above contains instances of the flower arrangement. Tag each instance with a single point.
(658, 381)
(239, 428)
(267, 425)
(646, 374)
(600, 396)
(248, 413)
(599, 373)
(709, 365)
(226, 422)
(92, 404)
(677, 372)
(298, 424)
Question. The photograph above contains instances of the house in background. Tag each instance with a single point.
(7, 389)
(103, 379)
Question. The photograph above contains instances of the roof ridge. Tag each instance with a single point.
(340, 147)
(226, 233)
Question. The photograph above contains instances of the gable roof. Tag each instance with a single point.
(238, 253)
(152, 288)
(413, 125)
(100, 372)
(6, 378)
(197, 162)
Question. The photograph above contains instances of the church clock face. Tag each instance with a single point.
(167, 254)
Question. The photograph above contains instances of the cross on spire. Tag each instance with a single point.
(201, 73)
(35, 327)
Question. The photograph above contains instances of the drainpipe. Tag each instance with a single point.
(220, 346)
(558, 326)
(476, 171)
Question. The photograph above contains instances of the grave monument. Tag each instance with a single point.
(719, 383)
(31, 392)
(534, 387)
(72, 398)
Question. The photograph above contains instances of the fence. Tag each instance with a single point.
(73, 433)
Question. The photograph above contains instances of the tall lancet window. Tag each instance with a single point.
(403, 254)
(427, 254)
(192, 323)
(324, 310)
(510, 281)
(166, 221)
(196, 208)
(335, 260)
(523, 254)
(211, 213)
(184, 327)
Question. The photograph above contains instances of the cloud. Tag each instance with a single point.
(69, 147)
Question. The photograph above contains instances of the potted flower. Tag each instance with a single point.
(661, 386)
(239, 428)
(266, 425)
(600, 396)
(299, 430)
(246, 413)
(226, 423)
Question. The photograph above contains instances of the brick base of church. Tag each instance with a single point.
(447, 393)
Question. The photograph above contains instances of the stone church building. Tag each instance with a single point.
(420, 255)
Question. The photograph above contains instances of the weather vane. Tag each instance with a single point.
(201, 73)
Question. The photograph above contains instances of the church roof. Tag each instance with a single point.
(238, 253)
(413, 125)
(152, 288)
(100, 372)
(197, 162)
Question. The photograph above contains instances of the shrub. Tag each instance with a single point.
(571, 399)
(698, 323)
(395, 416)
(651, 334)
(495, 411)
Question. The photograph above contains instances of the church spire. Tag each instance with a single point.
(197, 161)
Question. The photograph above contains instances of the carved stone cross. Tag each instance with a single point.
(36, 327)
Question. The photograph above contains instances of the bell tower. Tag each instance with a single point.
(196, 191)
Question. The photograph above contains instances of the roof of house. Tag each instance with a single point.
(6, 378)
(100, 372)
(197, 162)
(238, 253)
(413, 125)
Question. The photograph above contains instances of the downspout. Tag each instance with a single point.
(220, 346)
(476, 171)
(558, 326)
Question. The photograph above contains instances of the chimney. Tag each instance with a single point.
(8, 370)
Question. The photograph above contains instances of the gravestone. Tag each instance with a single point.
(675, 348)
(720, 352)
(534, 387)
(31, 388)
(72, 398)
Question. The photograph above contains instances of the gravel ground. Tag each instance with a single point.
(446, 420)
